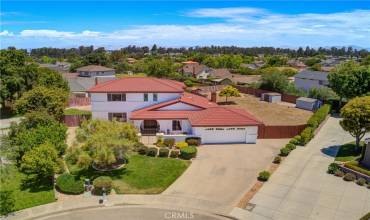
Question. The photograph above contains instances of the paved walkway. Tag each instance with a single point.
(301, 188)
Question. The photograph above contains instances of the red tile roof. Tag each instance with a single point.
(139, 84)
(210, 113)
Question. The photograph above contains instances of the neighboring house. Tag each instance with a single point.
(162, 106)
(131, 60)
(307, 79)
(253, 66)
(78, 86)
(297, 64)
(58, 66)
(220, 76)
(95, 70)
(194, 69)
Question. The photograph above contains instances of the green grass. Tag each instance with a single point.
(24, 195)
(74, 111)
(347, 152)
(355, 165)
(142, 175)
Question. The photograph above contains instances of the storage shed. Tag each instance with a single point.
(272, 97)
(308, 103)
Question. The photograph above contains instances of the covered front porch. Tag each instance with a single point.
(168, 127)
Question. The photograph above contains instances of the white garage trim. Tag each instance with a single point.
(216, 135)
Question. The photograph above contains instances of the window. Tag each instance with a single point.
(219, 129)
(116, 97)
(241, 128)
(230, 129)
(155, 97)
(146, 97)
(209, 129)
(176, 125)
(118, 116)
(321, 82)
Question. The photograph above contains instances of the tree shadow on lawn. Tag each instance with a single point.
(331, 150)
(91, 173)
(36, 184)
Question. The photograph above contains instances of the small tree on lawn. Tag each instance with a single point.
(229, 91)
(356, 118)
(40, 161)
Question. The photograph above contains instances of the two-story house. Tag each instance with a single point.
(194, 69)
(307, 79)
(162, 106)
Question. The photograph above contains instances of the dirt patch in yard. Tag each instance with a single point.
(270, 113)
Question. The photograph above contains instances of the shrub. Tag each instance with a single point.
(349, 177)
(188, 83)
(163, 152)
(138, 145)
(193, 141)
(143, 150)
(68, 184)
(175, 153)
(284, 152)
(290, 146)
(361, 181)
(188, 152)
(306, 135)
(61, 166)
(277, 160)
(181, 144)
(354, 165)
(169, 142)
(264, 175)
(319, 116)
(152, 152)
(332, 168)
(296, 140)
(339, 173)
(102, 182)
(160, 144)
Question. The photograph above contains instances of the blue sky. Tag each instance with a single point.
(114, 24)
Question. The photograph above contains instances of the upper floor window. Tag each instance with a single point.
(155, 97)
(146, 97)
(116, 97)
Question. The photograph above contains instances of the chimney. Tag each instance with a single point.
(214, 96)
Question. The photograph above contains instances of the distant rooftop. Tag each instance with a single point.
(94, 68)
(309, 74)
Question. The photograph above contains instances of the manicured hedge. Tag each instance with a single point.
(169, 142)
(74, 111)
(174, 153)
(284, 152)
(163, 152)
(296, 140)
(143, 150)
(102, 182)
(68, 184)
(188, 152)
(354, 165)
(181, 144)
(152, 152)
(306, 135)
(193, 141)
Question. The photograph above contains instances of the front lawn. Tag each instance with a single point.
(143, 174)
(347, 152)
(24, 195)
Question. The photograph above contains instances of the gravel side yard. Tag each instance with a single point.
(270, 113)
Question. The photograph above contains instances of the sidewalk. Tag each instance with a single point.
(301, 188)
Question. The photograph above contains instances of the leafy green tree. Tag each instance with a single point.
(51, 100)
(40, 161)
(84, 160)
(51, 79)
(159, 68)
(229, 91)
(322, 93)
(274, 82)
(276, 60)
(356, 118)
(312, 61)
(365, 61)
(349, 80)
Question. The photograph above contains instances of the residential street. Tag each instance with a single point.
(222, 173)
(301, 188)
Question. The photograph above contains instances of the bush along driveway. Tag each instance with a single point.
(301, 188)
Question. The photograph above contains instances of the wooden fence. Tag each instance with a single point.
(79, 101)
(258, 92)
(75, 120)
(279, 131)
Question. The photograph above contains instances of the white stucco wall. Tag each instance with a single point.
(307, 84)
(246, 135)
(202, 75)
(100, 105)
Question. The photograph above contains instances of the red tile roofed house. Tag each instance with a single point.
(161, 106)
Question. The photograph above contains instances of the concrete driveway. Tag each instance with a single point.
(223, 173)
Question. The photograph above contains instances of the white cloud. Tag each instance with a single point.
(6, 33)
(236, 26)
